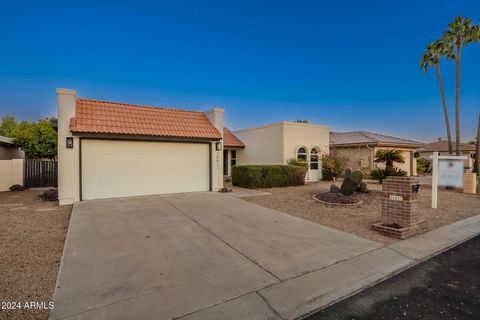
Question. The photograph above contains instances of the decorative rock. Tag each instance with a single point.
(334, 188)
(363, 187)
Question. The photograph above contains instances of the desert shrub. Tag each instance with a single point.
(298, 163)
(332, 166)
(275, 176)
(246, 176)
(49, 195)
(17, 187)
(268, 176)
(423, 165)
(380, 174)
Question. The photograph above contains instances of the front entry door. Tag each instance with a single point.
(314, 172)
(225, 162)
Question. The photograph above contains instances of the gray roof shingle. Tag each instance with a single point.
(365, 137)
(5, 140)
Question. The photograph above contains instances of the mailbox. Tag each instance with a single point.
(415, 188)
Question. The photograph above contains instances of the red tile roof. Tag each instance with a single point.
(93, 116)
(230, 140)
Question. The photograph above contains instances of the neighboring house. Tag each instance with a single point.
(8, 150)
(441, 146)
(109, 149)
(278, 142)
(359, 148)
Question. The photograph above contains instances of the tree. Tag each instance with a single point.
(431, 57)
(460, 33)
(37, 139)
(389, 157)
(476, 164)
(7, 124)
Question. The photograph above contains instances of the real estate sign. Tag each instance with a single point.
(450, 173)
(446, 171)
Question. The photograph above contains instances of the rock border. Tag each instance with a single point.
(357, 204)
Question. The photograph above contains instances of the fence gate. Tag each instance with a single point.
(40, 173)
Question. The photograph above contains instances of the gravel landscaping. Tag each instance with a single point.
(32, 234)
(298, 201)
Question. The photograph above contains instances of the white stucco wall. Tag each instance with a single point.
(216, 117)
(297, 135)
(263, 145)
(278, 142)
(11, 172)
(68, 159)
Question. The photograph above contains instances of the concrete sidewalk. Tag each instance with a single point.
(211, 256)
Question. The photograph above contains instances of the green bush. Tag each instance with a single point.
(381, 174)
(268, 176)
(298, 163)
(332, 167)
(423, 165)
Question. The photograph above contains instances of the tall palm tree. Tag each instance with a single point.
(460, 33)
(476, 164)
(431, 57)
(389, 157)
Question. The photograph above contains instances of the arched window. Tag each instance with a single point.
(314, 157)
(302, 154)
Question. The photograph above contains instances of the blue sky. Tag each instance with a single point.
(352, 65)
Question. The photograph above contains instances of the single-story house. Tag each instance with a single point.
(278, 142)
(441, 146)
(110, 149)
(359, 148)
(8, 150)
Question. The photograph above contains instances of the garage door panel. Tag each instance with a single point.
(130, 168)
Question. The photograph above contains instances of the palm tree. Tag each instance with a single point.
(476, 164)
(460, 33)
(389, 157)
(431, 57)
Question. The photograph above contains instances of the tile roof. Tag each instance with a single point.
(230, 140)
(365, 137)
(443, 146)
(93, 116)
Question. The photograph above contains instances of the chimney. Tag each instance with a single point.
(439, 138)
(215, 115)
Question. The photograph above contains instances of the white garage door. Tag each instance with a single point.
(113, 169)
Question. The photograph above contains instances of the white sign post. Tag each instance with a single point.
(447, 171)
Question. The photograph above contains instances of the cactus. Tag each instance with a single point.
(351, 182)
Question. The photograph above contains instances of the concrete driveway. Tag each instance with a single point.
(189, 256)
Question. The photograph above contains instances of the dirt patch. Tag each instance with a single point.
(32, 234)
(298, 201)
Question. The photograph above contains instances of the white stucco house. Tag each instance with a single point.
(110, 149)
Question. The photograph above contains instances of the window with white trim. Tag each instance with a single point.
(314, 158)
(233, 160)
(302, 154)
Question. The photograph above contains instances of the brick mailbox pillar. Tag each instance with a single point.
(470, 183)
(399, 209)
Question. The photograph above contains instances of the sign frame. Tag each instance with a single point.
(435, 157)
